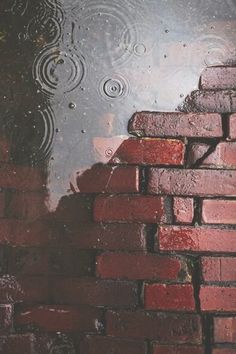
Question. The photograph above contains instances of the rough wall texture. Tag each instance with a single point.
(142, 261)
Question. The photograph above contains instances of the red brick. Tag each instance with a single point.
(24, 233)
(225, 329)
(192, 182)
(6, 312)
(232, 126)
(21, 178)
(27, 260)
(170, 349)
(94, 292)
(183, 210)
(166, 328)
(218, 78)
(219, 269)
(130, 237)
(141, 266)
(4, 150)
(221, 299)
(219, 211)
(106, 179)
(199, 239)
(107, 345)
(130, 208)
(59, 318)
(17, 344)
(224, 351)
(224, 156)
(150, 152)
(169, 297)
(176, 124)
(34, 289)
(223, 101)
(30, 205)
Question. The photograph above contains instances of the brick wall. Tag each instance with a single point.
(142, 260)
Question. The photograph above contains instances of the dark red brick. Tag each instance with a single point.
(129, 237)
(130, 208)
(223, 101)
(6, 313)
(196, 239)
(192, 182)
(221, 269)
(4, 149)
(170, 349)
(29, 205)
(27, 260)
(221, 299)
(17, 344)
(2, 204)
(121, 294)
(219, 211)
(107, 179)
(24, 233)
(225, 350)
(150, 152)
(166, 328)
(21, 178)
(183, 210)
(107, 345)
(225, 329)
(169, 297)
(141, 266)
(34, 289)
(155, 124)
(232, 126)
(59, 318)
(218, 78)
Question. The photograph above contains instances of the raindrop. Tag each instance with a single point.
(113, 87)
(72, 105)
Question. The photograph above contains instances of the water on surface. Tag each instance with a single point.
(74, 71)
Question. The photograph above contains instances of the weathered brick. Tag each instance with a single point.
(25, 233)
(218, 78)
(59, 318)
(130, 237)
(141, 266)
(221, 269)
(4, 149)
(223, 157)
(6, 313)
(219, 211)
(169, 297)
(166, 328)
(22, 178)
(107, 179)
(192, 182)
(225, 329)
(150, 152)
(173, 349)
(121, 294)
(221, 299)
(155, 124)
(28, 205)
(196, 239)
(106, 345)
(225, 350)
(223, 101)
(196, 152)
(28, 260)
(183, 210)
(129, 208)
(17, 343)
(33, 289)
(232, 126)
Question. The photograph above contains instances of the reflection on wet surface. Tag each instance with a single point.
(73, 72)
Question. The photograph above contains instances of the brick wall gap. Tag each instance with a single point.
(225, 125)
(197, 218)
(150, 231)
(195, 264)
(143, 180)
(207, 326)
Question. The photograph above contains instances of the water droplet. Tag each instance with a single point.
(72, 105)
